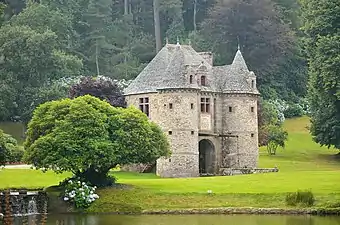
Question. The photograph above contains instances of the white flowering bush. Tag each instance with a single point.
(280, 107)
(79, 193)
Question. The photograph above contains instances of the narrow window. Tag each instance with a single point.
(192, 132)
(170, 105)
(192, 105)
(230, 109)
(252, 84)
(205, 105)
(170, 132)
(252, 109)
(144, 105)
(191, 79)
(169, 160)
(203, 81)
(252, 135)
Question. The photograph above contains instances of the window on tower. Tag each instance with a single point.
(205, 105)
(191, 79)
(203, 80)
(144, 105)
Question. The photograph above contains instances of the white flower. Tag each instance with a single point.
(83, 183)
(70, 181)
(66, 198)
(78, 182)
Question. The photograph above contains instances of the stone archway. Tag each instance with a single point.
(206, 157)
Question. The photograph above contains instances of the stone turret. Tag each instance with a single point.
(240, 148)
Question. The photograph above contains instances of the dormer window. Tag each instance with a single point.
(203, 80)
(191, 79)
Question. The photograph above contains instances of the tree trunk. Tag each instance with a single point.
(126, 7)
(195, 15)
(157, 25)
(97, 61)
(97, 178)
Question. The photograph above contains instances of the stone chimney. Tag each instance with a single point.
(208, 56)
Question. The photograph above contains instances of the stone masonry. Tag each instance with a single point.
(209, 113)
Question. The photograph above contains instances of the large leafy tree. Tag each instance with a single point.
(90, 137)
(103, 88)
(41, 18)
(321, 26)
(29, 59)
(2, 15)
(267, 42)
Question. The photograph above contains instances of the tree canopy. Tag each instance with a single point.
(322, 42)
(117, 39)
(90, 137)
(101, 87)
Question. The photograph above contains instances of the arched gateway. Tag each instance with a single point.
(206, 157)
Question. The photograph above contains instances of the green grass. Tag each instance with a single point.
(303, 165)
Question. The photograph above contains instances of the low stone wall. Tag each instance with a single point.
(139, 168)
(233, 210)
(240, 171)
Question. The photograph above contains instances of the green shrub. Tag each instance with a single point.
(333, 205)
(16, 154)
(291, 199)
(303, 198)
(293, 110)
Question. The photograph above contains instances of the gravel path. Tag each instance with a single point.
(23, 166)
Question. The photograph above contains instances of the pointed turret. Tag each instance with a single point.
(239, 63)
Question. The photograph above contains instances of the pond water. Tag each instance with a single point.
(179, 220)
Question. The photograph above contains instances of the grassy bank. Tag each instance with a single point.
(303, 165)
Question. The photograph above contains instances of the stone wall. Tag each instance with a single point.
(239, 121)
(174, 113)
(240, 171)
(231, 124)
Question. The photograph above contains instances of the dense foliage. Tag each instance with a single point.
(9, 149)
(101, 87)
(270, 121)
(117, 39)
(321, 26)
(90, 137)
(269, 44)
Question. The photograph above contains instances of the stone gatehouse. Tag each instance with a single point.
(209, 113)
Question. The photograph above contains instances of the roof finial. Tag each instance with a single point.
(167, 40)
(189, 42)
(177, 40)
(238, 43)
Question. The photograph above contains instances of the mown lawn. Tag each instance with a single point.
(303, 165)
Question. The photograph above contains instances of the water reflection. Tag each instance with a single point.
(176, 220)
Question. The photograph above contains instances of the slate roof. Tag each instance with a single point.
(174, 63)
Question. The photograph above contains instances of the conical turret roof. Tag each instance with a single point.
(239, 64)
